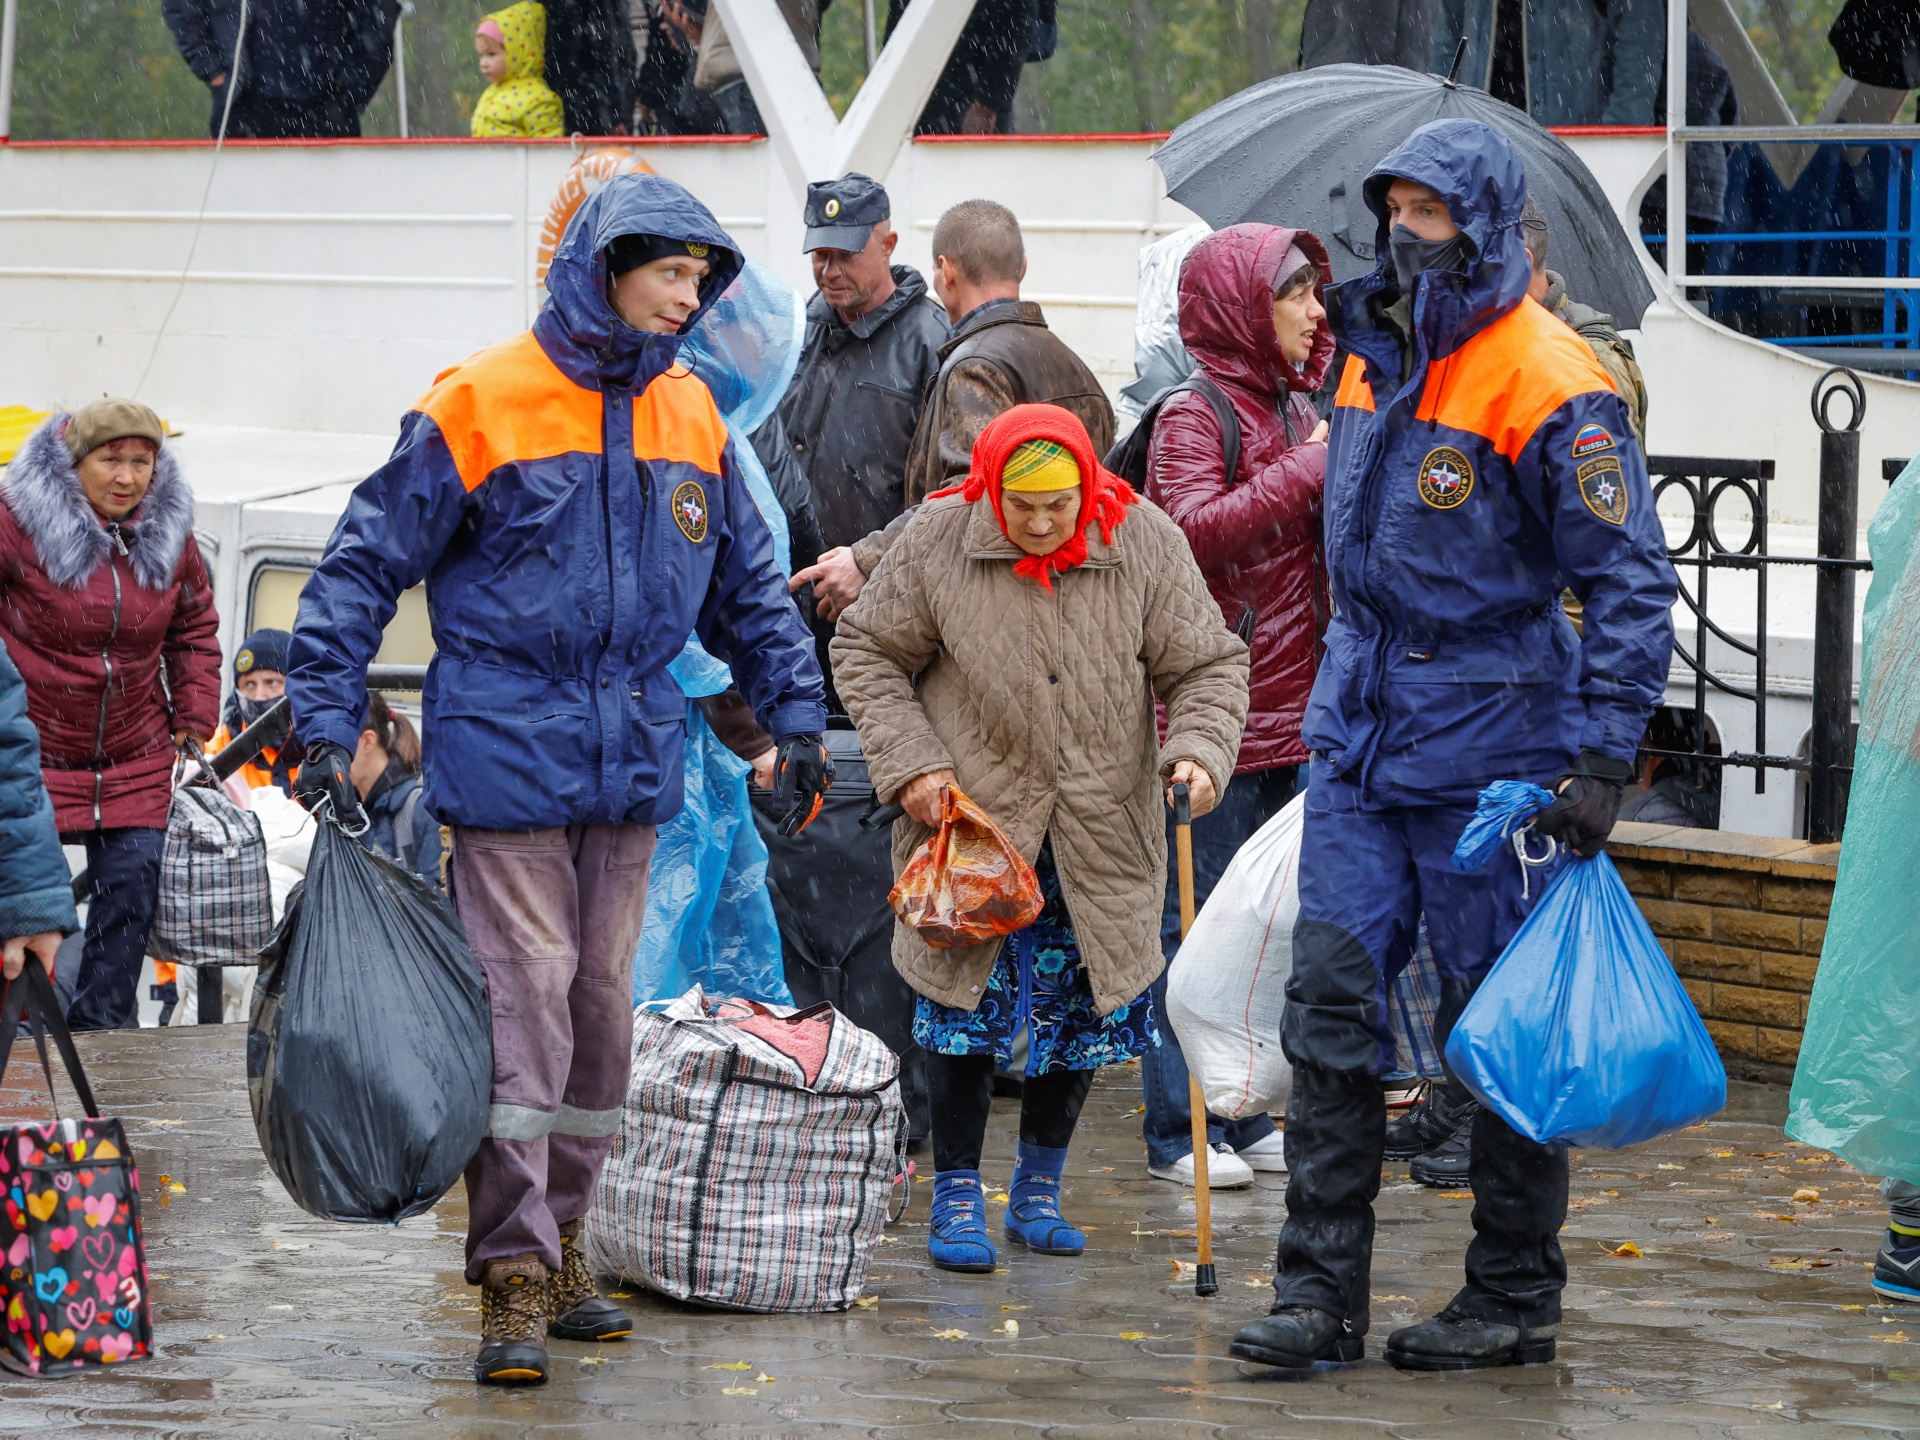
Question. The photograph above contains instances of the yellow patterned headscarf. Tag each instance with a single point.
(522, 104)
(1039, 466)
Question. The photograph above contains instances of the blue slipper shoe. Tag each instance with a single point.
(958, 1237)
(1033, 1204)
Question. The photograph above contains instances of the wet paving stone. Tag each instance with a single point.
(1745, 1313)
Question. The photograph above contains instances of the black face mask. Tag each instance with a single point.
(1413, 257)
(251, 710)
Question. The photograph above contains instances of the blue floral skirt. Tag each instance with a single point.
(1039, 982)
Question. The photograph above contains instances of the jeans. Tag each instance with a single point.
(1251, 800)
(125, 868)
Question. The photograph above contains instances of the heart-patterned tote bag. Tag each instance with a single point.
(73, 1274)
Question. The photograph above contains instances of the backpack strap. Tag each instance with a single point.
(1223, 413)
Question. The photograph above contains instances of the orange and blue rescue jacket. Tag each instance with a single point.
(1461, 501)
(571, 499)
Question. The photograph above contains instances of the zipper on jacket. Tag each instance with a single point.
(106, 689)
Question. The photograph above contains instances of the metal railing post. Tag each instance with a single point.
(1830, 748)
(9, 43)
(1676, 147)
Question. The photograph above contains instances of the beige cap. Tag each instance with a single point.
(102, 421)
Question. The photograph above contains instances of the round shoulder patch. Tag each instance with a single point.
(690, 510)
(1446, 478)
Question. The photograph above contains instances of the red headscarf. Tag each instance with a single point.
(1104, 496)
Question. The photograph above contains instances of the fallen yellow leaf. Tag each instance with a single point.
(1010, 1329)
(620, 1294)
(763, 1378)
(1000, 1197)
(866, 1302)
(1456, 1194)
(1853, 1307)
(731, 1365)
(1626, 1251)
(738, 1390)
(593, 1359)
(1133, 1334)
(1015, 1307)
(1898, 1337)
(1806, 1195)
(1665, 1166)
(949, 1334)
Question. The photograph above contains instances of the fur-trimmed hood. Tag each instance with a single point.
(42, 489)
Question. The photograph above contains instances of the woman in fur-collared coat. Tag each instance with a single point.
(106, 608)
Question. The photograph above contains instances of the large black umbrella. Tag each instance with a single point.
(1294, 150)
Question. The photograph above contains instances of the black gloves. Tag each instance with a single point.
(802, 775)
(1582, 815)
(326, 774)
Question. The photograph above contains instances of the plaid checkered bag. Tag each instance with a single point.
(755, 1158)
(215, 906)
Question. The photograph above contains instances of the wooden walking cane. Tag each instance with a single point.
(1204, 1280)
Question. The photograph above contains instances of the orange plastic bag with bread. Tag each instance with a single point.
(967, 883)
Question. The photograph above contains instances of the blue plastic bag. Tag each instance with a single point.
(1582, 1032)
(709, 918)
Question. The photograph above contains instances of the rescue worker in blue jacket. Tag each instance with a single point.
(571, 499)
(1479, 462)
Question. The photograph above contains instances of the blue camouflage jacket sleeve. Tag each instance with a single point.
(395, 527)
(750, 621)
(1613, 556)
(36, 892)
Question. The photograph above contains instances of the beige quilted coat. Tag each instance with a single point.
(1042, 704)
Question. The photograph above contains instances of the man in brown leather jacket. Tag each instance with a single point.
(1000, 354)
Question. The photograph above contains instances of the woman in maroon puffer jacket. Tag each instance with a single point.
(103, 592)
(1250, 315)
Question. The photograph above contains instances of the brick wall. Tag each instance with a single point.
(1742, 917)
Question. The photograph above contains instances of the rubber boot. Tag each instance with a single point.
(957, 1238)
(580, 1311)
(1033, 1204)
(514, 1305)
(1294, 1337)
(1455, 1341)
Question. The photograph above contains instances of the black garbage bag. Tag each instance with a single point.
(829, 887)
(370, 1047)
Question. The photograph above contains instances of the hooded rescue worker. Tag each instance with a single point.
(259, 679)
(572, 501)
(1479, 461)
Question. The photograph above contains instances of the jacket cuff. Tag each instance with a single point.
(1613, 734)
(893, 770)
(798, 717)
(1209, 757)
(867, 552)
(35, 912)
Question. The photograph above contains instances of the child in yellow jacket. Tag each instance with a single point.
(512, 46)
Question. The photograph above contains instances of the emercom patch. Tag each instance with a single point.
(1446, 478)
(1604, 489)
(1591, 440)
(690, 510)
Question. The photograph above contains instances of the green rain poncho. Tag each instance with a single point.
(1857, 1089)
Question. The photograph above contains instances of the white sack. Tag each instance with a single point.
(1227, 986)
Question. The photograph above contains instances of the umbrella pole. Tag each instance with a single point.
(1204, 1280)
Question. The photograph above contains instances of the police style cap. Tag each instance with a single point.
(841, 213)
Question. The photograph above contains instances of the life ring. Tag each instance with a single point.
(583, 177)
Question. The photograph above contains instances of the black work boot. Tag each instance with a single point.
(1456, 1341)
(580, 1312)
(1443, 1112)
(1445, 1166)
(513, 1322)
(1294, 1337)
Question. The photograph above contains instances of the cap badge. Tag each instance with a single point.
(832, 209)
(697, 249)
(243, 662)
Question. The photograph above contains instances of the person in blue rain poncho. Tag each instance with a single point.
(1480, 461)
(710, 920)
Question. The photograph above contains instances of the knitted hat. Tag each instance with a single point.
(104, 421)
(262, 650)
(630, 252)
(1291, 264)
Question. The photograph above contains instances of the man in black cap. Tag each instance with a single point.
(872, 346)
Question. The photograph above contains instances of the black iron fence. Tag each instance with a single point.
(1707, 484)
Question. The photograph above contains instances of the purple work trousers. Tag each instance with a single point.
(554, 916)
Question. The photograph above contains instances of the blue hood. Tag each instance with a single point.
(577, 327)
(1478, 173)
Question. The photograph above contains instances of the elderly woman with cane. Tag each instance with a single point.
(1013, 644)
